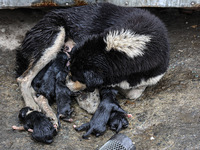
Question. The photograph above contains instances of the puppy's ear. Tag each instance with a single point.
(92, 80)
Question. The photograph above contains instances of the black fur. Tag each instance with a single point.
(79, 22)
(63, 96)
(99, 120)
(117, 121)
(44, 82)
(91, 63)
(50, 82)
(43, 130)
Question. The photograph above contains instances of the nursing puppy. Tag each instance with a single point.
(125, 47)
(50, 82)
(63, 97)
(44, 82)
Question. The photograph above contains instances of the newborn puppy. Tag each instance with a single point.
(37, 123)
(99, 120)
(44, 82)
(63, 96)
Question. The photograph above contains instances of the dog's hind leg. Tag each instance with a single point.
(46, 109)
(25, 79)
(134, 93)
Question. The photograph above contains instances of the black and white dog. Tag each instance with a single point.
(115, 47)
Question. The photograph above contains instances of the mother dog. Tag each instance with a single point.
(115, 46)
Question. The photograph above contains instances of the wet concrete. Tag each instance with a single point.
(167, 116)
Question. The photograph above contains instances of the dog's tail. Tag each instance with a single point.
(39, 39)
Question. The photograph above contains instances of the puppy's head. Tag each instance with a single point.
(24, 112)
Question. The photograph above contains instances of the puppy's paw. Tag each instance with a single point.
(117, 121)
(91, 128)
(64, 113)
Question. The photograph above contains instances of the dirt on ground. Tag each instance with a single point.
(167, 116)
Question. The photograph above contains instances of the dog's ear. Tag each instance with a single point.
(92, 80)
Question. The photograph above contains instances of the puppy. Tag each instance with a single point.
(37, 123)
(63, 97)
(117, 121)
(107, 107)
(44, 82)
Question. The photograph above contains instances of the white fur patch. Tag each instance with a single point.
(29, 111)
(151, 81)
(127, 41)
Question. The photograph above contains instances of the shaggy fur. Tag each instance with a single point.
(115, 46)
(43, 130)
(95, 66)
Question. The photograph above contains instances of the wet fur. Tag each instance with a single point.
(50, 82)
(44, 82)
(95, 66)
(63, 96)
(96, 62)
(43, 130)
(108, 105)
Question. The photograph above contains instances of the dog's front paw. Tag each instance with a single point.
(117, 121)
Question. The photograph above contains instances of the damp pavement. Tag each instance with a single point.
(167, 116)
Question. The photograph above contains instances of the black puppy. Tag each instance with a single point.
(63, 96)
(117, 121)
(50, 82)
(37, 123)
(44, 82)
(107, 107)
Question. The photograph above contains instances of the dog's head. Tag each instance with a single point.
(88, 80)
(88, 65)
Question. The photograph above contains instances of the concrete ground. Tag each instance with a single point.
(167, 116)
